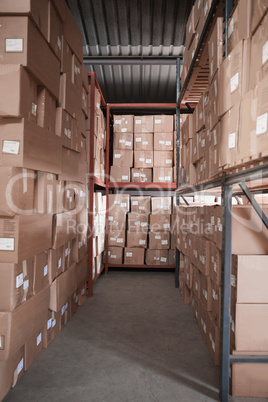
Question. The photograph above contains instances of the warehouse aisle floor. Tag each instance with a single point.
(134, 341)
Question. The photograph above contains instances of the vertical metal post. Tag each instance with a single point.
(226, 290)
(107, 184)
(228, 5)
(177, 266)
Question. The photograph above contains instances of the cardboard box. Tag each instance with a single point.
(205, 292)
(213, 101)
(15, 329)
(142, 175)
(203, 321)
(258, 11)
(120, 201)
(115, 255)
(55, 263)
(213, 340)
(65, 314)
(156, 257)
(51, 328)
(188, 129)
(45, 193)
(239, 24)
(122, 158)
(197, 12)
(117, 238)
(134, 256)
(64, 126)
(46, 110)
(136, 239)
(214, 263)
(215, 48)
(70, 166)
(82, 294)
(171, 257)
(17, 191)
(162, 175)
(143, 159)
(143, 142)
(41, 277)
(11, 371)
(64, 228)
(72, 34)
(29, 49)
(216, 303)
(81, 271)
(123, 124)
(163, 141)
(24, 236)
(196, 282)
(163, 124)
(214, 159)
(159, 241)
(25, 144)
(251, 327)
(162, 205)
(54, 30)
(33, 347)
(70, 96)
(137, 222)
(123, 141)
(229, 137)
(190, 29)
(143, 124)
(141, 204)
(16, 284)
(163, 159)
(62, 288)
(160, 223)
(116, 220)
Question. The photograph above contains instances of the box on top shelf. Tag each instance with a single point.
(141, 204)
(73, 34)
(143, 142)
(143, 175)
(120, 174)
(215, 49)
(163, 141)
(122, 157)
(134, 256)
(239, 24)
(55, 30)
(143, 124)
(143, 159)
(214, 102)
(123, 124)
(259, 9)
(190, 28)
(30, 50)
(163, 123)
(123, 141)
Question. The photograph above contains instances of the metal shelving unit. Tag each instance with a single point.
(224, 184)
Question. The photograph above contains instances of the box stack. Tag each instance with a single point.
(148, 222)
(99, 211)
(199, 239)
(43, 163)
(147, 143)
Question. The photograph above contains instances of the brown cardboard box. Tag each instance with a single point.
(82, 294)
(123, 124)
(213, 340)
(203, 252)
(163, 158)
(138, 239)
(214, 101)
(121, 201)
(197, 12)
(196, 282)
(67, 249)
(214, 263)
(239, 24)
(162, 175)
(143, 159)
(216, 303)
(11, 371)
(162, 205)
(81, 271)
(17, 191)
(25, 144)
(258, 11)
(45, 193)
(188, 128)
(16, 284)
(171, 257)
(29, 49)
(137, 222)
(65, 314)
(141, 204)
(116, 219)
(142, 175)
(234, 76)
(79, 247)
(41, 277)
(21, 93)
(229, 137)
(205, 292)
(33, 347)
(163, 124)
(55, 263)
(134, 256)
(214, 159)
(15, 329)
(64, 126)
(72, 34)
(215, 48)
(46, 110)
(191, 174)
(62, 288)
(123, 141)
(190, 29)
(117, 238)
(203, 321)
(143, 142)
(163, 141)
(122, 158)
(143, 124)
(24, 236)
(156, 257)
(70, 166)
(51, 328)
(115, 255)
(54, 30)
(188, 268)
(160, 223)
(251, 327)
(159, 241)
(69, 96)
(200, 115)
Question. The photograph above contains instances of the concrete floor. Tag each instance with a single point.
(134, 341)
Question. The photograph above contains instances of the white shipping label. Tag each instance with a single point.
(234, 82)
(14, 45)
(59, 42)
(166, 207)
(141, 159)
(119, 240)
(163, 259)
(143, 224)
(136, 174)
(128, 143)
(162, 142)
(168, 161)
(168, 143)
(157, 237)
(110, 218)
(161, 178)
(233, 281)
(129, 254)
(54, 323)
(230, 28)
(157, 121)
(164, 242)
(145, 142)
(49, 324)
(231, 141)
(122, 141)
(137, 121)
(137, 223)
(261, 124)
(206, 9)
(215, 137)
(135, 202)
(141, 207)
(141, 241)
(123, 130)
(66, 252)
(113, 256)
(138, 139)
(117, 156)
(19, 281)
(59, 261)
(7, 244)
(265, 53)
(45, 270)
(26, 284)
(203, 143)
(34, 108)
(124, 178)
(215, 88)
(11, 147)
(167, 178)
(166, 225)
(148, 160)
(117, 121)
(20, 366)
(97, 105)
(123, 204)
(190, 27)
(39, 339)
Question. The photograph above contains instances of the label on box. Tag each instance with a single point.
(59, 261)
(122, 141)
(113, 256)
(141, 159)
(167, 178)
(161, 178)
(234, 82)
(7, 244)
(203, 143)
(136, 175)
(141, 241)
(14, 45)
(128, 143)
(11, 147)
(137, 223)
(123, 204)
(59, 42)
(26, 284)
(20, 366)
(117, 156)
(138, 139)
(19, 281)
(163, 259)
(164, 242)
(39, 339)
(117, 121)
(157, 237)
(166, 225)
(49, 324)
(265, 53)
(168, 143)
(205, 294)
(135, 202)
(261, 124)
(231, 141)
(158, 121)
(124, 178)
(190, 27)
(97, 105)
(123, 130)
(143, 224)
(148, 160)
(66, 252)
(162, 142)
(110, 218)
(145, 142)
(230, 28)
(129, 254)
(168, 161)
(119, 240)
(45, 270)
(34, 108)
(141, 207)
(206, 9)
(137, 121)
(233, 281)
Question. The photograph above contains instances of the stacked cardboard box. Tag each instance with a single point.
(99, 212)
(143, 149)
(139, 230)
(199, 239)
(43, 163)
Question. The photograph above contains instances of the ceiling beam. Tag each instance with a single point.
(131, 60)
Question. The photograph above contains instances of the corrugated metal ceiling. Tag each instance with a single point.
(117, 34)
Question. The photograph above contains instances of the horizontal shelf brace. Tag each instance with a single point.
(254, 203)
(248, 359)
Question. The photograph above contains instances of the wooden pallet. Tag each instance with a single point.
(247, 163)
